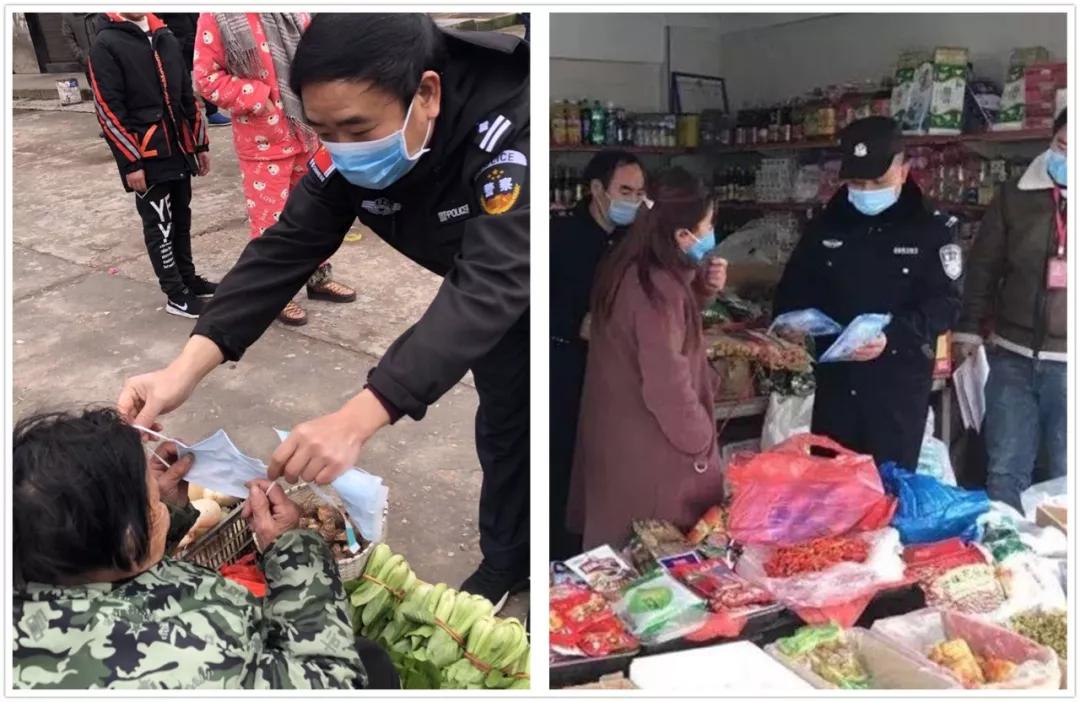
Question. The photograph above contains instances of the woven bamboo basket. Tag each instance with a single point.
(231, 538)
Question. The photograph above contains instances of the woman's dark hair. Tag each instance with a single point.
(391, 50)
(680, 201)
(1061, 120)
(603, 165)
(80, 496)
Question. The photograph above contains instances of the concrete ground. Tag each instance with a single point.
(88, 314)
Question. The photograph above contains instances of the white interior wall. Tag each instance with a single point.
(771, 64)
(770, 57)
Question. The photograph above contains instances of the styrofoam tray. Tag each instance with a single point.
(739, 666)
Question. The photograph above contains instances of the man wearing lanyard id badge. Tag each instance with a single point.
(1015, 298)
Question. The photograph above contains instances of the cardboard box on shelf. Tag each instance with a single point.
(1052, 74)
(947, 97)
(911, 94)
(1043, 124)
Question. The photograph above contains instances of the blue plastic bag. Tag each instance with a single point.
(811, 322)
(928, 510)
(862, 330)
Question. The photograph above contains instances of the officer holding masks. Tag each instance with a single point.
(578, 242)
(878, 247)
(426, 141)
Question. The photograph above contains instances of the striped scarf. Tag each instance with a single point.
(242, 57)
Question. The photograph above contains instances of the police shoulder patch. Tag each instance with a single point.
(951, 261)
(499, 184)
(322, 165)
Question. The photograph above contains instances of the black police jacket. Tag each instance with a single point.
(462, 213)
(578, 244)
(904, 261)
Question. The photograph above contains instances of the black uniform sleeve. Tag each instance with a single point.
(274, 266)
(798, 288)
(481, 297)
(107, 78)
(937, 305)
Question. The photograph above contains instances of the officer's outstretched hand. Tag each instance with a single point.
(320, 450)
(872, 350)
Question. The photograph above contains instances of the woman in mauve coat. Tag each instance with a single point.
(647, 435)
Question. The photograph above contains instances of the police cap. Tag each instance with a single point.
(868, 146)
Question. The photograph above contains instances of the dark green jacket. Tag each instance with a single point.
(1005, 288)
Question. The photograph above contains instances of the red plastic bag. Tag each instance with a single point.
(788, 495)
(246, 572)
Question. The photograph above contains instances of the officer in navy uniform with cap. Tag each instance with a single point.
(878, 247)
(425, 138)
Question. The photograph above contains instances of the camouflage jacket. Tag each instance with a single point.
(179, 625)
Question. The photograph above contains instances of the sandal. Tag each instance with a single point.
(293, 315)
(331, 291)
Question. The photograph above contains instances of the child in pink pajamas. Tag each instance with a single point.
(237, 62)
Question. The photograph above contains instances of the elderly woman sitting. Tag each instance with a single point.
(100, 604)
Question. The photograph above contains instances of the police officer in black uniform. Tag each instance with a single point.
(578, 242)
(878, 247)
(426, 140)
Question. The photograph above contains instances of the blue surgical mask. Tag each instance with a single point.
(873, 202)
(623, 212)
(702, 246)
(378, 164)
(1057, 167)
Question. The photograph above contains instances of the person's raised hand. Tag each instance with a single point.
(136, 180)
(871, 350)
(269, 512)
(716, 275)
(320, 450)
(146, 397)
(170, 473)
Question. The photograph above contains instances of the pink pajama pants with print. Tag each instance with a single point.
(266, 188)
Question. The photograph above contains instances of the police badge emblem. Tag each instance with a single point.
(951, 261)
(500, 182)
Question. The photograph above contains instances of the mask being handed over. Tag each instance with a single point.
(377, 164)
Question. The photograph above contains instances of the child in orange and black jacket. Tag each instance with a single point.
(144, 101)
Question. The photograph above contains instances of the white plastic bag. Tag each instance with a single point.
(838, 584)
(786, 416)
(1055, 492)
(934, 461)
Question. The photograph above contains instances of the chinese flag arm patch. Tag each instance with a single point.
(501, 184)
(322, 165)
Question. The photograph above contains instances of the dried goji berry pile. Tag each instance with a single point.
(816, 555)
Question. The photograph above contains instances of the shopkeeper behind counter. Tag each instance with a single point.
(578, 242)
(425, 138)
(879, 247)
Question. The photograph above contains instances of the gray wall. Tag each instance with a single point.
(769, 57)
